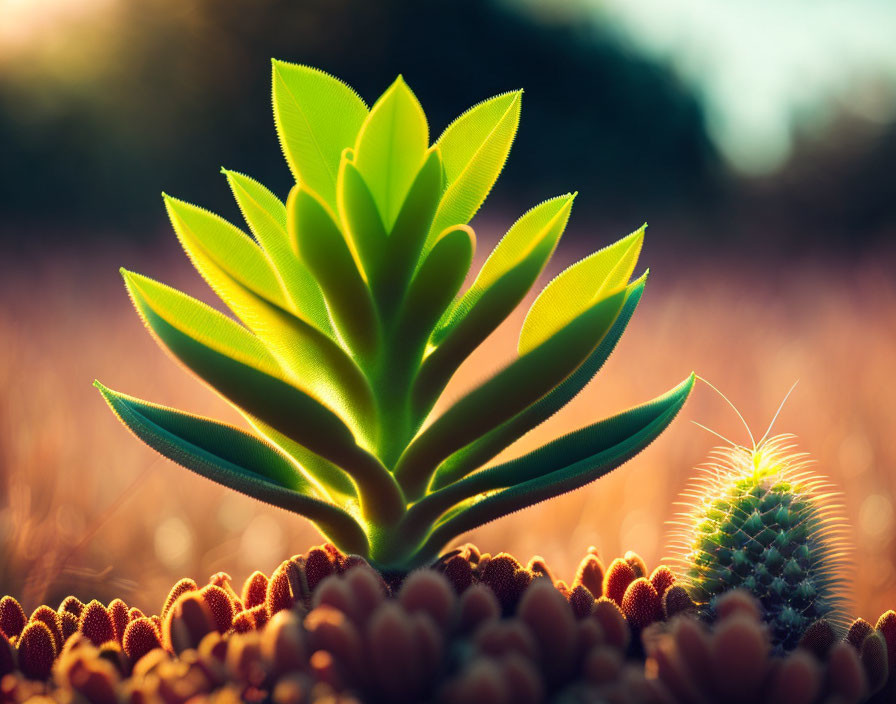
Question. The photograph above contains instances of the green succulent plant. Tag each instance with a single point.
(352, 321)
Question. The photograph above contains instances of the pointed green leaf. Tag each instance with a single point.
(566, 464)
(200, 321)
(523, 382)
(266, 216)
(477, 453)
(474, 149)
(577, 287)
(317, 116)
(390, 147)
(214, 245)
(289, 410)
(235, 459)
(321, 246)
(408, 234)
(334, 480)
(508, 279)
(360, 217)
(534, 235)
(433, 288)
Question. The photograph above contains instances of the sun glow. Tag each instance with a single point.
(26, 24)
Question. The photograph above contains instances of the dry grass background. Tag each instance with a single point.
(87, 509)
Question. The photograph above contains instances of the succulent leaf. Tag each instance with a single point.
(390, 148)
(321, 246)
(360, 217)
(570, 293)
(266, 216)
(524, 381)
(227, 258)
(561, 466)
(317, 116)
(233, 458)
(480, 451)
(474, 148)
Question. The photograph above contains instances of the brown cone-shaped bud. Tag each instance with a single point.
(244, 661)
(134, 613)
(50, 618)
(429, 643)
(427, 591)
(482, 683)
(96, 623)
(581, 600)
(37, 651)
(612, 622)
(283, 643)
(337, 557)
(367, 590)
(140, 637)
(259, 616)
(68, 624)
(255, 590)
(112, 653)
(846, 676)
(740, 650)
(243, 622)
(118, 611)
(221, 606)
(12, 617)
(737, 602)
(182, 587)
(188, 620)
(662, 578)
(874, 661)
(858, 631)
(478, 604)
(616, 580)
(504, 636)
(392, 654)
(590, 575)
(539, 568)
(637, 564)
(693, 644)
(279, 593)
(459, 572)
(886, 624)
(548, 615)
(522, 679)
(334, 592)
(318, 566)
(602, 665)
(818, 638)
(796, 681)
(501, 575)
(676, 600)
(330, 630)
(94, 681)
(72, 604)
(641, 604)
(224, 580)
(7, 658)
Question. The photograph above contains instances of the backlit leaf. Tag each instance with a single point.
(235, 459)
(560, 466)
(322, 248)
(317, 116)
(474, 149)
(266, 216)
(577, 287)
(360, 217)
(390, 148)
(508, 392)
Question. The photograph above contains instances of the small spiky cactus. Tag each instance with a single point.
(762, 521)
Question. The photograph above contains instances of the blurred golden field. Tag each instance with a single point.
(87, 509)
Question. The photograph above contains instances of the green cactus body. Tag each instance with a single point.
(762, 521)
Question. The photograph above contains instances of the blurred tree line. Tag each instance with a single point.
(162, 92)
(183, 86)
